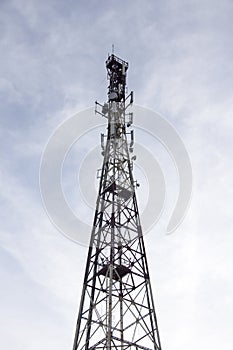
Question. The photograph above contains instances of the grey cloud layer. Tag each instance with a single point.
(52, 64)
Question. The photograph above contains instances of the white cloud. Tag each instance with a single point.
(52, 63)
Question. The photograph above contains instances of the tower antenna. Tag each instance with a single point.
(117, 309)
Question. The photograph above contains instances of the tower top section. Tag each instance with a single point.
(117, 69)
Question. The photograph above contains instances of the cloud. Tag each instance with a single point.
(52, 64)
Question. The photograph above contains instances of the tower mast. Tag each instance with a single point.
(117, 309)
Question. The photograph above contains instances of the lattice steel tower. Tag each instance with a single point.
(117, 309)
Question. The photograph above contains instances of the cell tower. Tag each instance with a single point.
(117, 309)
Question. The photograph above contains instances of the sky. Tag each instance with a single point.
(52, 66)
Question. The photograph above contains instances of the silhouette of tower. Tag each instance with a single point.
(117, 309)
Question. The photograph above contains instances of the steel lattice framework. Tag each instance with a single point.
(117, 309)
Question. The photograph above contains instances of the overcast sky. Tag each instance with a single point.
(52, 65)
